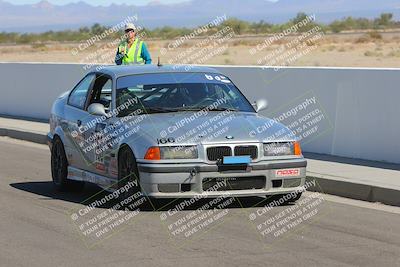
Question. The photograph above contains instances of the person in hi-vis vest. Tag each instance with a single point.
(132, 50)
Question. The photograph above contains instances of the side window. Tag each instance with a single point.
(105, 94)
(78, 96)
(101, 92)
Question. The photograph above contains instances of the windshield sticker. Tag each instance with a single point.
(219, 78)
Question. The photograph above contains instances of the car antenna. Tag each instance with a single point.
(159, 62)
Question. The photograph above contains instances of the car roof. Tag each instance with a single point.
(119, 71)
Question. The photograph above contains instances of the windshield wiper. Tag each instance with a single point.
(167, 110)
(206, 108)
(148, 110)
(224, 109)
(159, 110)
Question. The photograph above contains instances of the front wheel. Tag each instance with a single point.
(128, 174)
(59, 169)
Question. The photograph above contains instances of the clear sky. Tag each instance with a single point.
(95, 2)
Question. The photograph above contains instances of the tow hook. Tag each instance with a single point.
(193, 172)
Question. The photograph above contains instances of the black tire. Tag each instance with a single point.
(59, 169)
(297, 197)
(291, 200)
(127, 171)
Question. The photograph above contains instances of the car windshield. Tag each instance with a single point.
(176, 92)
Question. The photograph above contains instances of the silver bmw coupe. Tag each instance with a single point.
(170, 132)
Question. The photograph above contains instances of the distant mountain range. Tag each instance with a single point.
(45, 16)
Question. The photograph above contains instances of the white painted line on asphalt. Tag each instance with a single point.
(10, 140)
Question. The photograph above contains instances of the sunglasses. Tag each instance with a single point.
(130, 30)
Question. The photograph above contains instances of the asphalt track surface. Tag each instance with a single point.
(36, 228)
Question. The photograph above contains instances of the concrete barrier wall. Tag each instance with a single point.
(29, 89)
(360, 106)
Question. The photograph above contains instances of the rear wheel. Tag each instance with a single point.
(59, 168)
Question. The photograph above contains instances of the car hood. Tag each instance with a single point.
(211, 128)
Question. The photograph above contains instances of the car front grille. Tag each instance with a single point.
(218, 152)
(246, 150)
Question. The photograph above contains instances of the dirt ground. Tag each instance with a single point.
(334, 50)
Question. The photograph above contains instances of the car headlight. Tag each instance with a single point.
(171, 152)
(282, 149)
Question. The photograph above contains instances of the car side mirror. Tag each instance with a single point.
(260, 104)
(97, 109)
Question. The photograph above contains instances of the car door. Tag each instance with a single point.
(78, 142)
(101, 156)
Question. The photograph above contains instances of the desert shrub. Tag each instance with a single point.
(375, 35)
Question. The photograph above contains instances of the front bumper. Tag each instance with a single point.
(186, 180)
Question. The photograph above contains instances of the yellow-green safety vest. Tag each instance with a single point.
(134, 53)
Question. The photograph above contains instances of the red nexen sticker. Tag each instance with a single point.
(287, 172)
